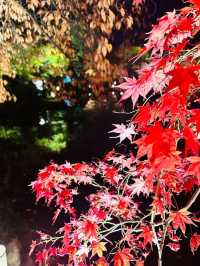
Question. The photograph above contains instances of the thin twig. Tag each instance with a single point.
(192, 200)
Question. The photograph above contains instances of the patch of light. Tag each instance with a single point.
(53, 95)
(42, 121)
(38, 84)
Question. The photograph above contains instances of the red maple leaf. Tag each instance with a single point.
(191, 142)
(146, 235)
(194, 242)
(157, 39)
(158, 206)
(158, 143)
(111, 173)
(143, 116)
(180, 219)
(52, 251)
(150, 78)
(122, 258)
(184, 84)
(172, 106)
(41, 256)
(99, 213)
(101, 262)
(90, 228)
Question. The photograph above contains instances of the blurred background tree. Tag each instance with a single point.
(93, 36)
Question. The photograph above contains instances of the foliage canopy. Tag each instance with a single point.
(84, 31)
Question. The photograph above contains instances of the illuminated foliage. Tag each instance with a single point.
(42, 61)
(84, 31)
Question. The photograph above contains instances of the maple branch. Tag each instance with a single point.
(193, 199)
(156, 240)
(159, 248)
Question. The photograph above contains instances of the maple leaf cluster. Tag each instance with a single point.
(133, 208)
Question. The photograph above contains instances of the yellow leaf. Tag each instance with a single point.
(98, 248)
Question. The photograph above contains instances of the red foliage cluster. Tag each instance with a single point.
(133, 207)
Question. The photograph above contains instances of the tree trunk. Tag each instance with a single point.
(159, 261)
